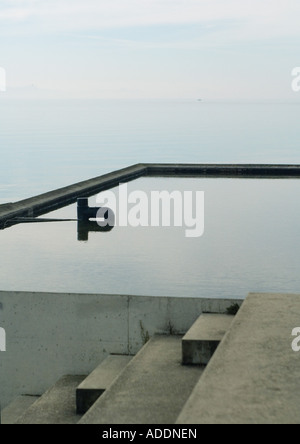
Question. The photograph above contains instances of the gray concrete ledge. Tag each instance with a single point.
(44, 203)
(224, 170)
(16, 409)
(203, 338)
(99, 380)
(62, 197)
(152, 389)
(56, 405)
(253, 377)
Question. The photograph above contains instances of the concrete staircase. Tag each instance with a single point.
(252, 377)
(17, 408)
(153, 388)
(56, 406)
(99, 381)
(204, 337)
(150, 388)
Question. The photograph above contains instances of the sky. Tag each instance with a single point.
(154, 49)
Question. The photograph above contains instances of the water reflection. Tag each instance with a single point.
(86, 227)
(251, 244)
(105, 219)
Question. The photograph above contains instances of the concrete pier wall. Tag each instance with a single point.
(56, 199)
(44, 203)
(49, 335)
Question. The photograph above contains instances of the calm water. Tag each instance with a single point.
(48, 144)
(251, 243)
(251, 240)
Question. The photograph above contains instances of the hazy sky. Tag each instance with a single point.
(211, 49)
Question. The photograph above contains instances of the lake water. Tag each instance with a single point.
(251, 243)
(49, 144)
(251, 240)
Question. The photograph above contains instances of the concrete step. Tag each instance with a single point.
(253, 378)
(203, 338)
(99, 380)
(56, 406)
(14, 410)
(152, 389)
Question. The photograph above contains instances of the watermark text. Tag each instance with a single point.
(296, 80)
(2, 340)
(2, 79)
(152, 433)
(154, 209)
(296, 341)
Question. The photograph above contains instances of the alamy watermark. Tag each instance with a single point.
(2, 79)
(2, 340)
(296, 80)
(296, 341)
(154, 209)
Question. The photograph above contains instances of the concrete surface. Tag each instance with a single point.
(16, 409)
(56, 406)
(59, 198)
(53, 334)
(254, 376)
(152, 389)
(99, 380)
(203, 338)
(223, 170)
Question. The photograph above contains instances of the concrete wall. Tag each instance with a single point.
(50, 335)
